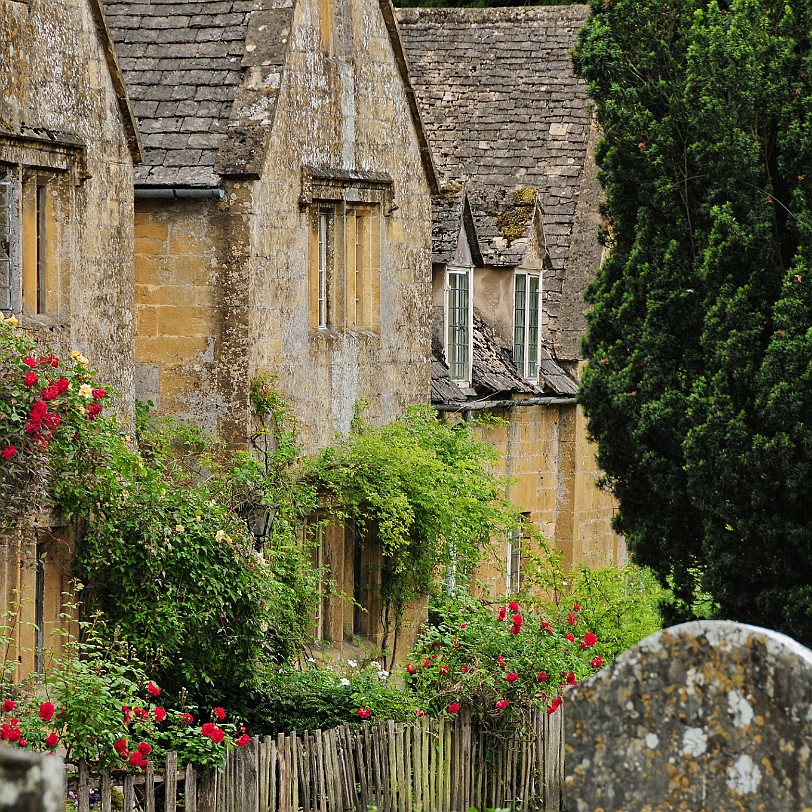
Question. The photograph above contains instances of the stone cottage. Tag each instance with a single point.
(282, 225)
(68, 141)
(514, 245)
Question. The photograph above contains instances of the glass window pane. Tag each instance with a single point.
(458, 326)
(533, 327)
(5, 243)
(519, 321)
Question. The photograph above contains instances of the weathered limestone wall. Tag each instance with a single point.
(545, 450)
(342, 105)
(191, 261)
(56, 87)
(705, 716)
(31, 782)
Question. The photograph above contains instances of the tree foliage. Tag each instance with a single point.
(699, 342)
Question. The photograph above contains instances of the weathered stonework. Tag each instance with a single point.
(706, 716)
(66, 127)
(31, 782)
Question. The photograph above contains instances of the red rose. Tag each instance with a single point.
(120, 746)
(51, 740)
(23, 743)
(46, 711)
(217, 735)
(62, 385)
(554, 705)
(571, 638)
(144, 748)
(14, 734)
(426, 662)
(93, 410)
(32, 426)
(454, 707)
(464, 669)
(220, 713)
(596, 661)
(576, 607)
(571, 679)
(542, 677)
(501, 660)
(463, 625)
(364, 713)
(443, 669)
(137, 760)
(52, 420)
(99, 393)
(187, 718)
(153, 689)
(141, 713)
(127, 714)
(9, 705)
(502, 704)
(411, 668)
(512, 676)
(419, 712)
(513, 606)
(160, 714)
(29, 362)
(243, 740)
(8, 452)
(207, 729)
(30, 379)
(502, 613)
(590, 639)
(572, 618)
(50, 393)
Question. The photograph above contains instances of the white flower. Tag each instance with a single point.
(86, 391)
(311, 659)
(383, 674)
(179, 528)
(344, 681)
(352, 664)
(376, 664)
(220, 536)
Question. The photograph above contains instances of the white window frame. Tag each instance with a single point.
(522, 347)
(9, 223)
(454, 364)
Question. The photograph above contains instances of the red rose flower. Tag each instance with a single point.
(32, 427)
(153, 689)
(464, 669)
(144, 748)
(29, 362)
(502, 613)
(50, 393)
(419, 712)
(463, 625)
(572, 618)
(590, 639)
(99, 393)
(137, 760)
(426, 662)
(39, 408)
(542, 677)
(30, 379)
(502, 704)
(120, 745)
(454, 707)
(512, 676)
(23, 743)
(513, 606)
(9, 705)
(217, 735)
(554, 705)
(243, 740)
(364, 713)
(51, 740)
(14, 734)
(501, 660)
(8, 452)
(141, 713)
(62, 385)
(576, 607)
(596, 661)
(127, 713)
(571, 638)
(207, 729)
(52, 420)
(411, 668)
(160, 714)
(93, 410)
(46, 711)
(443, 669)
(571, 679)
(220, 713)
(187, 718)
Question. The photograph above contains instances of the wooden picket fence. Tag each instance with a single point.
(438, 765)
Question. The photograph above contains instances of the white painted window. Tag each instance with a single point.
(323, 270)
(6, 239)
(459, 323)
(514, 556)
(527, 323)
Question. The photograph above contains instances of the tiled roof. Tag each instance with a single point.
(505, 115)
(182, 63)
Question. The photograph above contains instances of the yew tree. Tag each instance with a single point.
(698, 387)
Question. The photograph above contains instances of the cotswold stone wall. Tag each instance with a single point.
(64, 116)
(342, 105)
(706, 716)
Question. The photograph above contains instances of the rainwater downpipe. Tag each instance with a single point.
(178, 192)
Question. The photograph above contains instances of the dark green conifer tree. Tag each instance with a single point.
(699, 382)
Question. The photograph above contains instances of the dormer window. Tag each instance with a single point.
(526, 323)
(459, 321)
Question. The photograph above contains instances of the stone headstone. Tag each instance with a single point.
(31, 782)
(711, 715)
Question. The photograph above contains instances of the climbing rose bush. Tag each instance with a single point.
(500, 660)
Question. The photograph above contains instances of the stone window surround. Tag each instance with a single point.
(468, 327)
(522, 362)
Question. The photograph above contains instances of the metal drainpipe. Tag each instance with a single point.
(481, 405)
(146, 192)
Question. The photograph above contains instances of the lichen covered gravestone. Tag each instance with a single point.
(31, 782)
(706, 716)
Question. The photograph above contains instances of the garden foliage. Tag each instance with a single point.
(699, 343)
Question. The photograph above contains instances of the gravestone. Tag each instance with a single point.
(706, 716)
(31, 782)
